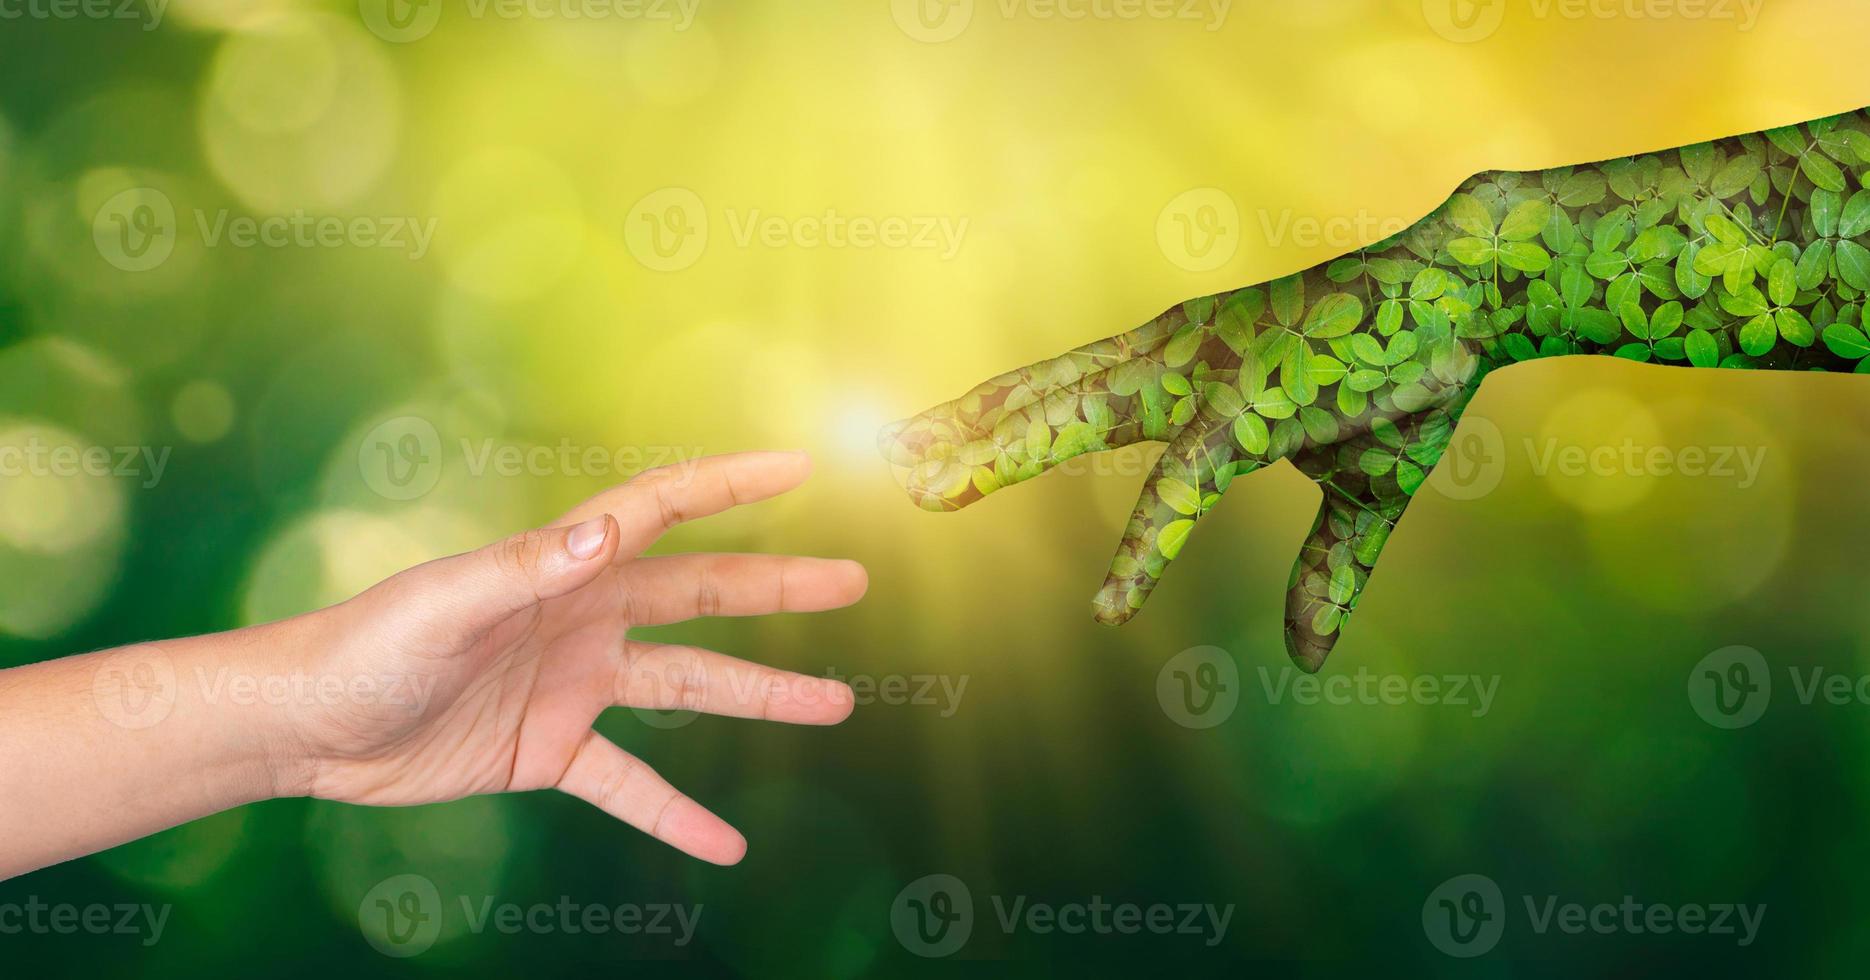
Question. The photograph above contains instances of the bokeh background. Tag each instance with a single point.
(628, 255)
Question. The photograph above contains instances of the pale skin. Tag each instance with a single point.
(478, 673)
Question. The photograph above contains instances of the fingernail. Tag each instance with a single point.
(587, 538)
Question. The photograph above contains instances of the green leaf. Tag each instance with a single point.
(1387, 271)
(1181, 498)
(1467, 213)
(1288, 299)
(1847, 341)
(1736, 176)
(1428, 285)
(1170, 539)
(1794, 327)
(1854, 264)
(1703, 350)
(1471, 251)
(1525, 256)
(1275, 404)
(1855, 220)
(1582, 190)
(1321, 426)
(1782, 282)
(1749, 301)
(1758, 334)
(1368, 349)
(1666, 320)
(1826, 206)
(1038, 439)
(1182, 347)
(1250, 432)
(1334, 316)
(1525, 221)
(1822, 172)
(1389, 317)
(1698, 161)
(1224, 399)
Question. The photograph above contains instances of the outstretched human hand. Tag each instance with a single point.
(506, 656)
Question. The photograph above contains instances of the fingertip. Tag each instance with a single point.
(857, 577)
(1111, 606)
(841, 700)
(697, 831)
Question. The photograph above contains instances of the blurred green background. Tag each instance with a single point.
(603, 277)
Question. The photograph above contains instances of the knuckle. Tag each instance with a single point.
(521, 554)
(708, 597)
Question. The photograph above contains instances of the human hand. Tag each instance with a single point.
(517, 648)
(1231, 383)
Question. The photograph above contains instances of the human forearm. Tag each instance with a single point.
(110, 746)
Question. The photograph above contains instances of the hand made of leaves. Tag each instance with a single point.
(1748, 252)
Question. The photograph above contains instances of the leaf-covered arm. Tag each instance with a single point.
(1746, 252)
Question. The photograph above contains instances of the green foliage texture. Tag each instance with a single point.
(1747, 252)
